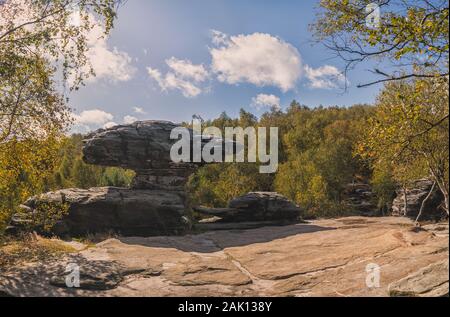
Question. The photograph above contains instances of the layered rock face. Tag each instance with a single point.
(264, 206)
(121, 210)
(143, 147)
(359, 197)
(415, 197)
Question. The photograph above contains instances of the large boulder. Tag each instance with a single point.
(137, 146)
(106, 209)
(255, 206)
(144, 147)
(415, 196)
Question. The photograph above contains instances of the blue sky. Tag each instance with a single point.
(170, 59)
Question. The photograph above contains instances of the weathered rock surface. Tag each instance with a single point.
(144, 147)
(431, 281)
(415, 197)
(321, 258)
(360, 197)
(256, 206)
(125, 211)
(137, 146)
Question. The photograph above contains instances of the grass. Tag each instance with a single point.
(30, 248)
(92, 239)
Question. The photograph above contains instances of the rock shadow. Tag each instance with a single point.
(49, 278)
(213, 241)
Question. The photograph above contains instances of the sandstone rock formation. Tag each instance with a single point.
(143, 147)
(320, 258)
(121, 210)
(415, 196)
(360, 198)
(156, 202)
(252, 209)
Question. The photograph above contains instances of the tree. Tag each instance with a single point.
(24, 167)
(409, 39)
(40, 41)
(383, 186)
(410, 131)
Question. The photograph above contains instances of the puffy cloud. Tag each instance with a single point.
(183, 76)
(186, 69)
(260, 59)
(91, 119)
(129, 119)
(108, 63)
(324, 77)
(108, 125)
(262, 100)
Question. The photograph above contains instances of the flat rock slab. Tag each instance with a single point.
(320, 258)
(429, 281)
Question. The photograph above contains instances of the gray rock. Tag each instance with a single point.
(431, 281)
(138, 146)
(144, 147)
(265, 206)
(256, 206)
(415, 197)
(125, 211)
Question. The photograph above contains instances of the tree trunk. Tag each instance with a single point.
(443, 186)
(424, 202)
(405, 199)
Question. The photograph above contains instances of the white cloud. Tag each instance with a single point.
(139, 110)
(91, 119)
(262, 101)
(183, 76)
(324, 77)
(108, 125)
(260, 59)
(129, 119)
(186, 69)
(108, 63)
